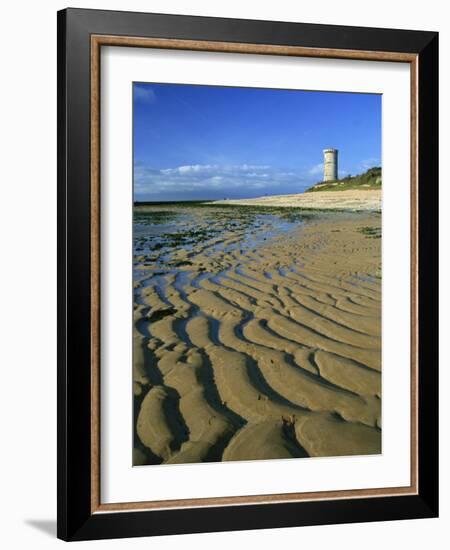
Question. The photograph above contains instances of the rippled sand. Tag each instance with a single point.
(261, 349)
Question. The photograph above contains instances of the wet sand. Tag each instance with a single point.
(259, 340)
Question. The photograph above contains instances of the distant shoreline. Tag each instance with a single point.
(354, 199)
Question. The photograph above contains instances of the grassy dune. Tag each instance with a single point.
(371, 179)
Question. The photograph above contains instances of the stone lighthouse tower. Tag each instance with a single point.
(330, 164)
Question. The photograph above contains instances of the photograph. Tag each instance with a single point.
(257, 273)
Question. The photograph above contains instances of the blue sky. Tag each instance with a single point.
(207, 142)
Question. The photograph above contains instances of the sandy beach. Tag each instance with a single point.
(257, 332)
(357, 199)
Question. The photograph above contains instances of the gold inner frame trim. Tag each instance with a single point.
(97, 41)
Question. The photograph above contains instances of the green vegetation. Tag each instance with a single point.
(145, 213)
(157, 217)
(165, 228)
(371, 232)
(369, 180)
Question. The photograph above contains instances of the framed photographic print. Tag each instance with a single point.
(247, 274)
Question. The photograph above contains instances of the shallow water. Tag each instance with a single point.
(160, 232)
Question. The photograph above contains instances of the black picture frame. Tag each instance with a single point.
(75, 518)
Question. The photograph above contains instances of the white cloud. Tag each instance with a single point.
(205, 178)
(213, 168)
(188, 169)
(144, 94)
